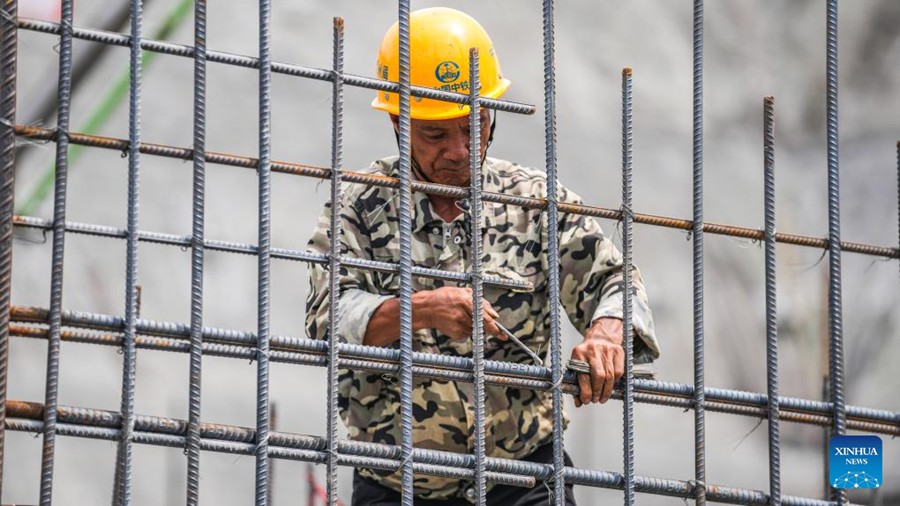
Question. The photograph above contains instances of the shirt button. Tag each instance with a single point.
(435, 231)
(470, 494)
(457, 240)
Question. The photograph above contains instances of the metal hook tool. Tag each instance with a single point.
(534, 356)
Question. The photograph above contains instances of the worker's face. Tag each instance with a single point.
(441, 148)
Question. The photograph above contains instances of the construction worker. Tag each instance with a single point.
(519, 422)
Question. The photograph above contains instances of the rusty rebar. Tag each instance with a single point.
(314, 171)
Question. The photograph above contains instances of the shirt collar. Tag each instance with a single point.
(424, 215)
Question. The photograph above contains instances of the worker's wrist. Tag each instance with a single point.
(607, 328)
(421, 309)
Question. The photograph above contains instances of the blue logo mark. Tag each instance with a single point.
(447, 72)
(855, 462)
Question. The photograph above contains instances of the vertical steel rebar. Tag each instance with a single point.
(898, 207)
(51, 389)
(405, 212)
(835, 312)
(559, 489)
(337, 117)
(826, 484)
(627, 332)
(264, 227)
(771, 305)
(197, 255)
(477, 281)
(124, 458)
(9, 36)
(697, 234)
(273, 426)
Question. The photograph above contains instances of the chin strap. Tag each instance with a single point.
(491, 136)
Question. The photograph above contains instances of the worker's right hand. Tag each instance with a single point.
(449, 310)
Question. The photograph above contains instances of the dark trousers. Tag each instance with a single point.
(368, 492)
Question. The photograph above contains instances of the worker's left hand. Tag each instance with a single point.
(602, 349)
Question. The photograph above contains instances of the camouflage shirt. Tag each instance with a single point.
(517, 420)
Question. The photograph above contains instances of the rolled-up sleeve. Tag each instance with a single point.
(359, 294)
(591, 280)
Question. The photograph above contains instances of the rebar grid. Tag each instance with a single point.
(131, 332)
(298, 169)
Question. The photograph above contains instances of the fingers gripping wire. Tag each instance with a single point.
(579, 366)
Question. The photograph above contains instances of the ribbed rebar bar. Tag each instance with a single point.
(169, 48)
(276, 253)
(278, 452)
(334, 265)
(697, 236)
(771, 305)
(627, 332)
(475, 238)
(197, 255)
(835, 311)
(898, 201)
(264, 232)
(51, 387)
(405, 216)
(9, 46)
(91, 423)
(501, 373)
(559, 489)
(273, 426)
(122, 487)
(457, 192)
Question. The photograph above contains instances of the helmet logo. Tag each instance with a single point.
(447, 72)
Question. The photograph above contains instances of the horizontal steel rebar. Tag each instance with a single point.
(172, 49)
(167, 336)
(98, 424)
(185, 241)
(150, 435)
(456, 192)
(247, 352)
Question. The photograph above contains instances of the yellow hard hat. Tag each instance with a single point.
(439, 39)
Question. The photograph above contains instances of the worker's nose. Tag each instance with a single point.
(458, 149)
